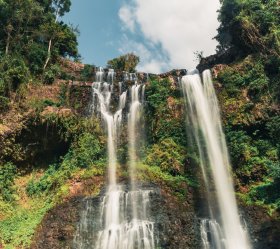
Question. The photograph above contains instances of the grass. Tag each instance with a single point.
(18, 229)
(19, 219)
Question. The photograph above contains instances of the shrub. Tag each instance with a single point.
(7, 176)
(87, 74)
(267, 193)
(167, 155)
(249, 26)
(273, 127)
(45, 183)
(14, 72)
(251, 77)
(164, 112)
(4, 103)
(241, 149)
(3, 87)
(85, 152)
(36, 56)
(63, 94)
(155, 174)
(17, 230)
(51, 74)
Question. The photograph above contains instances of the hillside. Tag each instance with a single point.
(54, 139)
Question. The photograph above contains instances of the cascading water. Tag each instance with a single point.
(213, 228)
(204, 117)
(124, 213)
(143, 229)
(111, 76)
(100, 75)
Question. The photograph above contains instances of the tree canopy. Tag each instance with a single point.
(250, 26)
(29, 25)
(32, 39)
(127, 62)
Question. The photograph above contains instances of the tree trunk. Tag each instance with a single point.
(7, 44)
(49, 54)
(50, 43)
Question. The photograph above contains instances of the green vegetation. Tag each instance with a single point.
(250, 26)
(249, 95)
(42, 189)
(168, 155)
(178, 184)
(85, 153)
(87, 73)
(125, 63)
(18, 229)
(31, 42)
(7, 176)
(164, 112)
(250, 112)
(47, 147)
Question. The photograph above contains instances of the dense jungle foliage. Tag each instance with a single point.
(32, 39)
(48, 147)
(250, 96)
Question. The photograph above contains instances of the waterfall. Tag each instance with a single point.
(143, 229)
(124, 211)
(99, 75)
(111, 75)
(204, 117)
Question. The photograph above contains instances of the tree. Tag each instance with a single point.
(127, 63)
(250, 26)
(60, 7)
(18, 19)
(31, 32)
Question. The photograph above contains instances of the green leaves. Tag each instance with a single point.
(85, 153)
(61, 6)
(167, 155)
(14, 72)
(250, 26)
(87, 73)
(127, 63)
(7, 176)
(28, 26)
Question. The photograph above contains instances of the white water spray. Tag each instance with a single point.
(124, 213)
(204, 116)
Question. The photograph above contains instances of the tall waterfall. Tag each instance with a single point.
(204, 117)
(124, 211)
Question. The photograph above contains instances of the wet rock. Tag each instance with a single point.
(176, 225)
(263, 229)
(59, 225)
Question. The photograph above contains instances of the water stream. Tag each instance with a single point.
(125, 221)
(224, 229)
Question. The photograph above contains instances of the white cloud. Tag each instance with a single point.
(180, 27)
(126, 16)
(150, 61)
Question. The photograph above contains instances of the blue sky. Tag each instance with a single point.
(164, 33)
(100, 29)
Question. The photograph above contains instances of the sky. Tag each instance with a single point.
(164, 33)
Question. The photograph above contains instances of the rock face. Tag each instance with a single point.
(80, 93)
(264, 229)
(176, 224)
(222, 57)
(175, 216)
(180, 225)
(59, 225)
